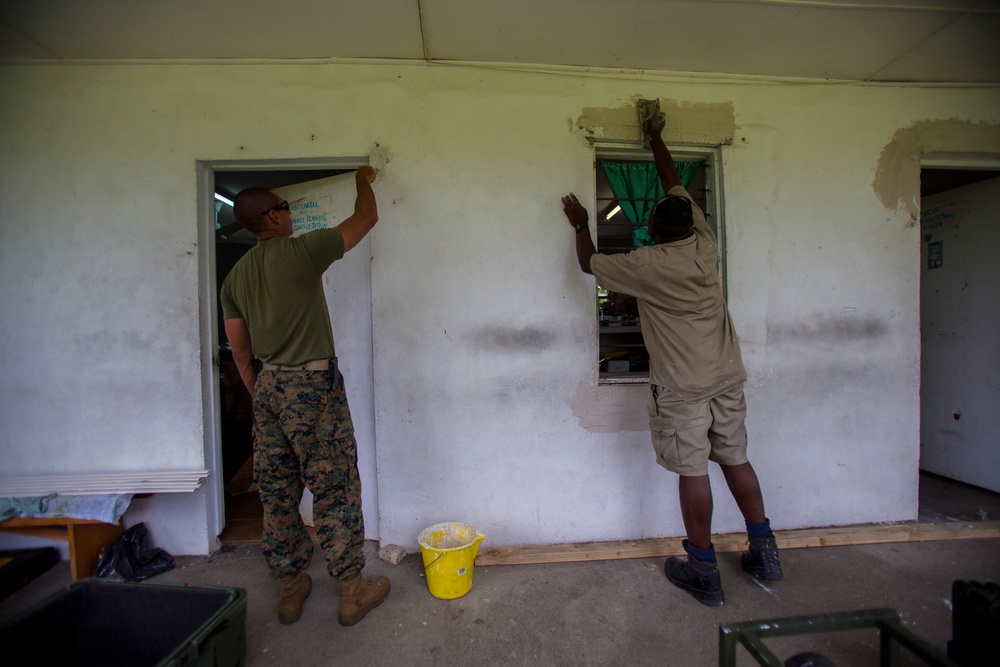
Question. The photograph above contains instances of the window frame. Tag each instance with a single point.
(711, 156)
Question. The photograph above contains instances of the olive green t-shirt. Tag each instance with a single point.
(693, 348)
(277, 288)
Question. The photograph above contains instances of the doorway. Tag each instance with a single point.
(325, 192)
(958, 457)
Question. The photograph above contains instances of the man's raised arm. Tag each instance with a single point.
(578, 219)
(355, 227)
(665, 166)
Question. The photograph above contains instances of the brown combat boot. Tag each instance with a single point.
(294, 591)
(359, 596)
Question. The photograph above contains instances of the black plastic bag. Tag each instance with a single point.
(131, 558)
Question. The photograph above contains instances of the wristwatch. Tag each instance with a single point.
(580, 227)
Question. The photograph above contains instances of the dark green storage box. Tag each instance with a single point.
(105, 622)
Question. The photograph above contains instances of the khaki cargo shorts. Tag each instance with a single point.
(687, 435)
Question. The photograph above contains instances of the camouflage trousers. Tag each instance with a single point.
(304, 438)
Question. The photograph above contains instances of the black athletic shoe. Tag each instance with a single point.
(699, 578)
(762, 560)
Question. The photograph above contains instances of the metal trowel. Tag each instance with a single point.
(647, 109)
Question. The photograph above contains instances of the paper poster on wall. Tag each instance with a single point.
(935, 254)
(312, 213)
(936, 217)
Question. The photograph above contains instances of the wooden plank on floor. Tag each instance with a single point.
(787, 539)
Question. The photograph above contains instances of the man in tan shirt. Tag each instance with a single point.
(697, 408)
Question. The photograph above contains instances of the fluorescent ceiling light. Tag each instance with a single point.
(223, 199)
(614, 211)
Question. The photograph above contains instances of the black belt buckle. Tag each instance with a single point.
(333, 374)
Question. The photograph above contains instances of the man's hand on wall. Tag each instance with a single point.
(575, 212)
(366, 174)
(655, 123)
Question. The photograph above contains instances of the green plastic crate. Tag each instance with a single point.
(106, 622)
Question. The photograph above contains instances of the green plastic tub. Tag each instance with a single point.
(106, 622)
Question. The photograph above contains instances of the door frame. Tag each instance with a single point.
(208, 310)
(959, 161)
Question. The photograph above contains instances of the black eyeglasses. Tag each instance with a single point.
(283, 206)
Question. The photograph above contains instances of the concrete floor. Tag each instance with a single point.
(596, 613)
(620, 612)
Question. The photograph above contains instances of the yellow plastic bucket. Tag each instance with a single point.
(449, 552)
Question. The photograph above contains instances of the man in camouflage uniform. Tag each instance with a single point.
(274, 309)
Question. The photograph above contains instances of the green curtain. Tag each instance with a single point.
(637, 187)
(634, 181)
(686, 171)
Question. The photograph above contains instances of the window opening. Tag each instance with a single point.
(627, 186)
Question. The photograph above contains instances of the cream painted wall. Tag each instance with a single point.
(483, 324)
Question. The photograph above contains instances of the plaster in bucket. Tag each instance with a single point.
(449, 552)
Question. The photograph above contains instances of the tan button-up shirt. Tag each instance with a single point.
(693, 347)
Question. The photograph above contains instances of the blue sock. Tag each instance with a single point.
(762, 529)
(700, 554)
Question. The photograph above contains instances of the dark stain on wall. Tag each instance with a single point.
(844, 328)
(515, 339)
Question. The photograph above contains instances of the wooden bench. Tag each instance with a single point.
(86, 537)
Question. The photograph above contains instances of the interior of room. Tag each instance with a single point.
(242, 503)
